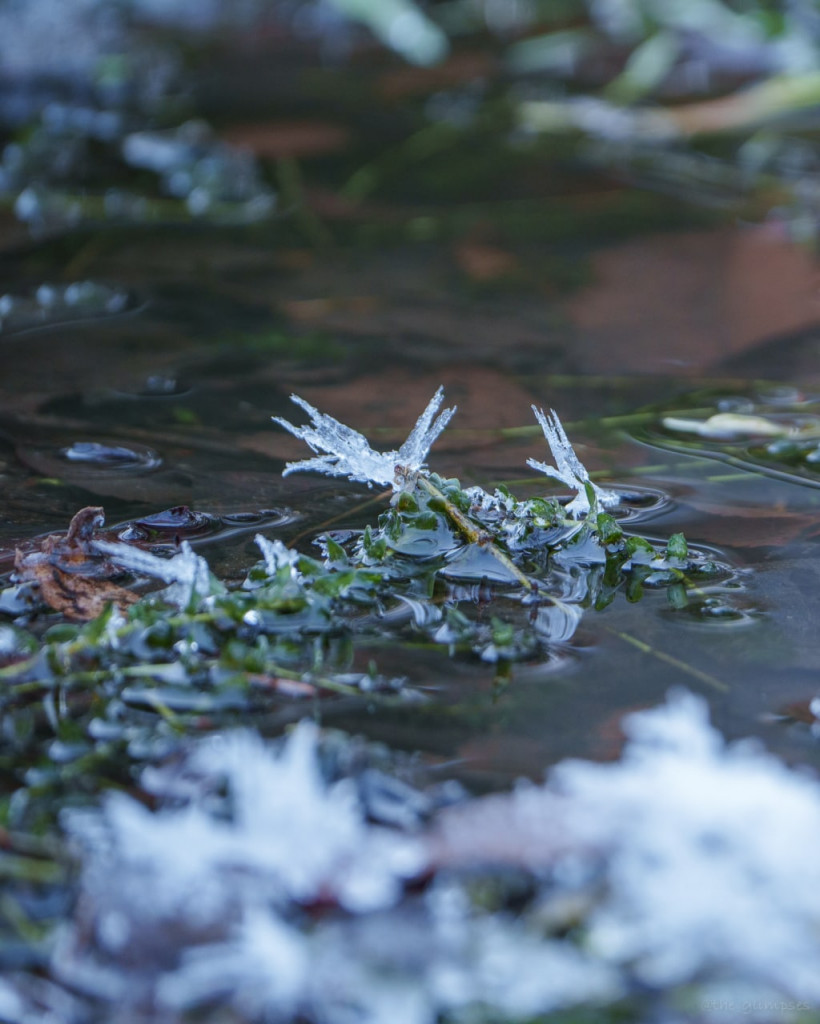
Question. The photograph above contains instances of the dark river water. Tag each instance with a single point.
(218, 328)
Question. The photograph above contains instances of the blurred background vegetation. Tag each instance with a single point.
(101, 103)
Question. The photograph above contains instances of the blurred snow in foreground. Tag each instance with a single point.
(689, 864)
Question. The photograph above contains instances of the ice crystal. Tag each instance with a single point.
(347, 452)
(570, 470)
(276, 556)
(187, 573)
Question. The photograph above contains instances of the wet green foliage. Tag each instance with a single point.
(411, 577)
(85, 707)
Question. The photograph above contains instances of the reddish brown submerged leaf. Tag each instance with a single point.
(79, 598)
(73, 578)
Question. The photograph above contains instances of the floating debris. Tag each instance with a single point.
(71, 575)
(169, 526)
(726, 426)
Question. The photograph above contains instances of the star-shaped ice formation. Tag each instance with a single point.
(346, 452)
(570, 470)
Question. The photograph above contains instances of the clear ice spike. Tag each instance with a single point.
(343, 451)
(568, 467)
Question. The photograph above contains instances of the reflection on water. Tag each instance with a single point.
(222, 459)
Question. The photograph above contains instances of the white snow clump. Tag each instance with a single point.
(694, 864)
(712, 862)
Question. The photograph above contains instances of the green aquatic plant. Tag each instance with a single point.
(477, 574)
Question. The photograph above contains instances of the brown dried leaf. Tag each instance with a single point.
(74, 579)
(79, 598)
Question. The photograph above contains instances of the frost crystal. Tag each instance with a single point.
(347, 452)
(188, 573)
(712, 867)
(277, 556)
(692, 865)
(288, 834)
(571, 471)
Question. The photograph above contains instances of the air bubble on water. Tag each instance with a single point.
(95, 453)
(92, 451)
(160, 384)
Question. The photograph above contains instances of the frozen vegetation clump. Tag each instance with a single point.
(60, 303)
(282, 825)
(195, 166)
(276, 556)
(249, 837)
(347, 452)
(687, 866)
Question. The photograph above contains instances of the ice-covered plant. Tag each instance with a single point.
(187, 573)
(434, 542)
(346, 452)
(568, 467)
(276, 556)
